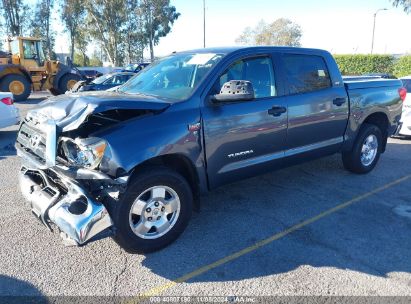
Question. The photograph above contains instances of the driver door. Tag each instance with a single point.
(245, 138)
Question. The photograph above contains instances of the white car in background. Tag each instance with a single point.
(9, 114)
(405, 129)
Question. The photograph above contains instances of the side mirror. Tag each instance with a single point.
(235, 90)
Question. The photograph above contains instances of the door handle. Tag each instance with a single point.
(339, 101)
(277, 111)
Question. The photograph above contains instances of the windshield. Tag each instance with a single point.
(131, 67)
(173, 77)
(15, 47)
(29, 49)
(41, 51)
(101, 79)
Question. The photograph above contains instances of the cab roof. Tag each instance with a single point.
(234, 49)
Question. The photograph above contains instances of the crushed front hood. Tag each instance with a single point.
(70, 111)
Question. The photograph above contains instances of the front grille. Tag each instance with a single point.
(56, 181)
(32, 141)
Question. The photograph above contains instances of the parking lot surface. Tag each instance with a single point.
(354, 238)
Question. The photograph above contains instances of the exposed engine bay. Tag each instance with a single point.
(100, 121)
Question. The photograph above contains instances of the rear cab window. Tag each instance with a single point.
(407, 84)
(306, 73)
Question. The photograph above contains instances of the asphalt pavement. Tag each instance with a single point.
(309, 230)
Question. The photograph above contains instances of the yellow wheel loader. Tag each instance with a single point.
(24, 69)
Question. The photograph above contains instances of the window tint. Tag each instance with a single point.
(15, 47)
(259, 71)
(117, 80)
(110, 80)
(122, 79)
(407, 84)
(29, 48)
(126, 78)
(306, 73)
(101, 79)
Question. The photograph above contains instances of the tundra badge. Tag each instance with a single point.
(240, 153)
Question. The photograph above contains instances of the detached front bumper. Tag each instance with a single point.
(59, 200)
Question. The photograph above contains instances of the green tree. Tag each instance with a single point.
(73, 15)
(80, 59)
(406, 4)
(403, 66)
(158, 16)
(2, 33)
(280, 32)
(40, 24)
(106, 23)
(247, 36)
(95, 60)
(362, 64)
(15, 13)
(136, 40)
(81, 45)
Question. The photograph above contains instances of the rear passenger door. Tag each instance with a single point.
(317, 109)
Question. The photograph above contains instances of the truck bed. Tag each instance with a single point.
(371, 83)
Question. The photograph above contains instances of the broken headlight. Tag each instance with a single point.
(86, 152)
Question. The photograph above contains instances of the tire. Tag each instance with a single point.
(359, 161)
(54, 92)
(145, 239)
(67, 82)
(19, 85)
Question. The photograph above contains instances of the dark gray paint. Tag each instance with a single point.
(312, 127)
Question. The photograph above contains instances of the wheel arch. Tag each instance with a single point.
(181, 164)
(62, 71)
(10, 69)
(379, 119)
(60, 74)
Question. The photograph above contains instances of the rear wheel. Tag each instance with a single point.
(154, 211)
(54, 92)
(16, 84)
(366, 151)
(67, 82)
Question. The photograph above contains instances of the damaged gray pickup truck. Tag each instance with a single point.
(134, 162)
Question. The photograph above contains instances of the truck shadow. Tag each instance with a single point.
(366, 237)
(16, 291)
(7, 140)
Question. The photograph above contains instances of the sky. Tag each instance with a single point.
(341, 27)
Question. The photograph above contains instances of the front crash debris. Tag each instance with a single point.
(76, 199)
(68, 206)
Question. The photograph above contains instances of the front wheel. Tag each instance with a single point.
(154, 211)
(366, 151)
(67, 82)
